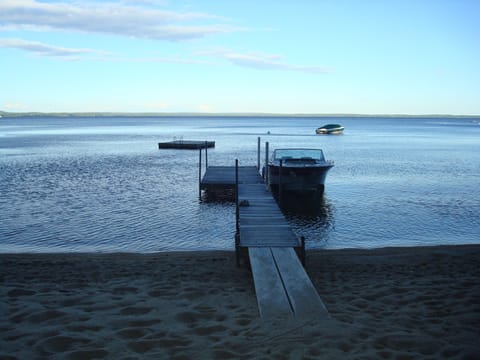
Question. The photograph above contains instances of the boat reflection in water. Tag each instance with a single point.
(313, 218)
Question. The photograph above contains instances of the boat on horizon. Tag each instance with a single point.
(298, 170)
(332, 129)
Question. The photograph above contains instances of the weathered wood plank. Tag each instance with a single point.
(271, 297)
(258, 207)
(225, 175)
(267, 238)
(303, 296)
(259, 212)
(269, 232)
(251, 243)
(259, 222)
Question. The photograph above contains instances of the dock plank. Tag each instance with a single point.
(225, 175)
(268, 236)
(303, 296)
(273, 302)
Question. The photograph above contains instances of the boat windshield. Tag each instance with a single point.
(298, 154)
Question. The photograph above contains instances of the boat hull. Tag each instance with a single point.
(298, 179)
(329, 132)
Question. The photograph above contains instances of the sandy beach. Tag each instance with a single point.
(393, 303)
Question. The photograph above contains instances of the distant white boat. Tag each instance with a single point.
(333, 129)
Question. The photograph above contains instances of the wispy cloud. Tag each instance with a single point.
(186, 60)
(69, 54)
(262, 61)
(14, 106)
(42, 49)
(254, 60)
(119, 18)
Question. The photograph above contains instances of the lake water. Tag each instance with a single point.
(102, 185)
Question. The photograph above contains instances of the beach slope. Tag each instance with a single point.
(393, 303)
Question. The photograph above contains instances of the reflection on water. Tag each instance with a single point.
(101, 184)
(304, 204)
(221, 196)
(312, 216)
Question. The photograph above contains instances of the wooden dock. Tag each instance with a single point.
(282, 286)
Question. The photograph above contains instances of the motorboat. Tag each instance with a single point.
(332, 129)
(298, 170)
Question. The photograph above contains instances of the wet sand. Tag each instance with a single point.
(394, 303)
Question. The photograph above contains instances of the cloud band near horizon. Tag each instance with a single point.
(111, 18)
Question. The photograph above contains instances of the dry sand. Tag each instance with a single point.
(398, 303)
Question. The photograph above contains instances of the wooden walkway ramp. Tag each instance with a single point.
(282, 286)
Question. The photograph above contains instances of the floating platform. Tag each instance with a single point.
(186, 144)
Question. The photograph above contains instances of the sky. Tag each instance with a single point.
(236, 56)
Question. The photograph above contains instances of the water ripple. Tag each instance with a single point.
(68, 185)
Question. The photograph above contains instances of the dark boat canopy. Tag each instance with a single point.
(298, 154)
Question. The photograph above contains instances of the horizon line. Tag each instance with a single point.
(215, 114)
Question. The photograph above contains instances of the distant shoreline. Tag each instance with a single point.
(4, 114)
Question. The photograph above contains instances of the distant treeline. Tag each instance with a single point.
(6, 114)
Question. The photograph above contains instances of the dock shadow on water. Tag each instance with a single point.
(311, 215)
(222, 196)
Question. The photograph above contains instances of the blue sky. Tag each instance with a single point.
(369, 57)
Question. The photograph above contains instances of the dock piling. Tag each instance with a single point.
(200, 173)
(206, 154)
(303, 257)
(237, 217)
(280, 190)
(258, 153)
(266, 164)
(237, 210)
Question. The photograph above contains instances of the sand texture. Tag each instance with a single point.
(398, 303)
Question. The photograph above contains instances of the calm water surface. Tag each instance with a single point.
(101, 184)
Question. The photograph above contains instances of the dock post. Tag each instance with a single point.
(237, 217)
(258, 153)
(302, 239)
(280, 190)
(200, 173)
(237, 248)
(266, 164)
(206, 154)
(237, 210)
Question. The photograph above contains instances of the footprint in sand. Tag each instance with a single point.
(57, 344)
(135, 310)
(188, 317)
(209, 330)
(124, 290)
(20, 292)
(132, 333)
(45, 316)
(87, 354)
(143, 323)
